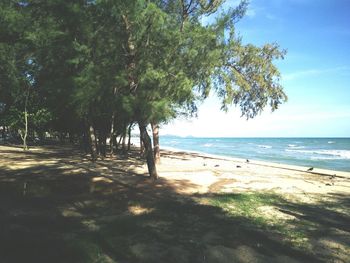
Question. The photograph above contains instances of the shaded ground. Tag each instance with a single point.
(56, 206)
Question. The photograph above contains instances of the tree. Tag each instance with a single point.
(93, 68)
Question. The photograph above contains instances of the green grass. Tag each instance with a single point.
(250, 206)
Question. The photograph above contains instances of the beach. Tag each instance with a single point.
(220, 174)
(316, 203)
(326, 153)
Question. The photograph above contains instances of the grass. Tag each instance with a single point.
(262, 211)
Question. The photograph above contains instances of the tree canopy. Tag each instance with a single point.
(88, 69)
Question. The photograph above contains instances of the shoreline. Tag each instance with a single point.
(268, 164)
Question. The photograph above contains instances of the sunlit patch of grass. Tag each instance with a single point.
(262, 212)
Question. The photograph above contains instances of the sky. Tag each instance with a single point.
(315, 73)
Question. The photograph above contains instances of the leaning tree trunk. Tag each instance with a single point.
(133, 84)
(156, 149)
(92, 142)
(152, 170)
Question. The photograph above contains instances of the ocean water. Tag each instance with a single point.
(326, 153)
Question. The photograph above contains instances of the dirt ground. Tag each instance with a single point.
(57, 206)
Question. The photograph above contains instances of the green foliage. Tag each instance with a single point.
(86, 61)
(41, 119)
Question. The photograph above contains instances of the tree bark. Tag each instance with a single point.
(112, 135)
(129, 136)
(25, 146)
(142, 147)
(151, 165)
(112, 139)
(85, 141)
(124, 141)
(92, 142)
(156, 149)
(3, 133)
(119, 142)
(102, 143)
(24, 137)
(97, 144)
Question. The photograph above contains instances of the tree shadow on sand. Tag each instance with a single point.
(49, 215)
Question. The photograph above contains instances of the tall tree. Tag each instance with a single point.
(95, 67)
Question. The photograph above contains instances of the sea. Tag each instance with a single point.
(325, 153)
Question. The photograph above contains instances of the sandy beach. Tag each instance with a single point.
(196, 177)
(209, 173)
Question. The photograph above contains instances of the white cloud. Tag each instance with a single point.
(314, 72)
(289, 121)
(250, 13)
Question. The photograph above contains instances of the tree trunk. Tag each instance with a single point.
(129, 136)
(92, 142)
(119, 142)
(25, 146)
(131, 65)
(112, 135)
(85, 141)
(124, 141)
(142, 148)
(96, 142)
(156, 149)
(99, 144)
(102, 143)
(151, 165)
(3, 133)
(70, 136)
(112, 139)
(24, 137)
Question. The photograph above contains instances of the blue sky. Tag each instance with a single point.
(315, 73)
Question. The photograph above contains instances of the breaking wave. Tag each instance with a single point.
(330, 154)
(264, 146)
(294, 146)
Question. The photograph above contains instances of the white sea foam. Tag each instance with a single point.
(264, 146)
(331, 142)
(326, 158)
(208, 145)
(336, 154)
(226, 146)
(294, 146)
